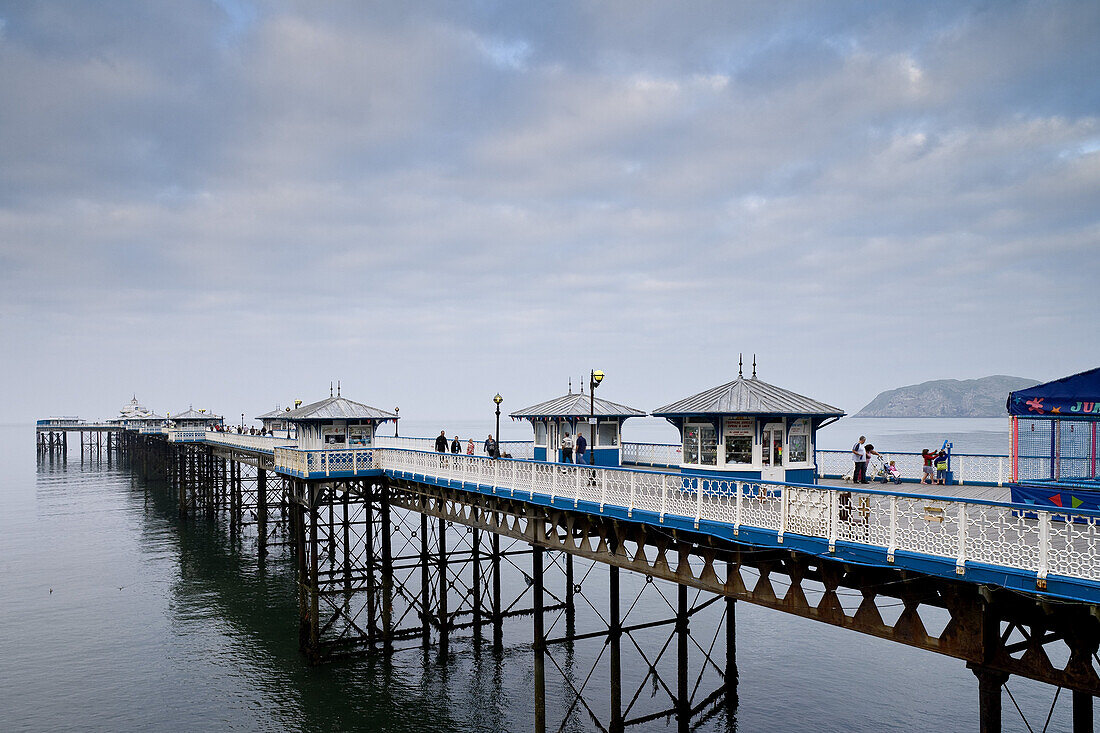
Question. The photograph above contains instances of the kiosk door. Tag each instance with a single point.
(772, 453)
(553, 442)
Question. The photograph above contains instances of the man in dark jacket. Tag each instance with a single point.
(441, 442)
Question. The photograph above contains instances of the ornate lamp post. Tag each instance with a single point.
(594, 380)
(396, 411)
(498, 399)
(242, 422)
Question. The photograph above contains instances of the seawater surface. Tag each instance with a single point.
(115, 615)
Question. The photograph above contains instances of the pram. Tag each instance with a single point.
(884, 472)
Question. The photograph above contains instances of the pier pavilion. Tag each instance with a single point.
(193, 419)
(274, 420)
(136, 416)
(335, 423)
(749, 429)
(571, 413)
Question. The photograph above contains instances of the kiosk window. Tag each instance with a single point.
(739, 449)
(798, 448)
(540, 433)
(609, 433)
(700, 444)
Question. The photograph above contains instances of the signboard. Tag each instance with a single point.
(801, 426)
(333, 436)
(739, 427)
(359, 436)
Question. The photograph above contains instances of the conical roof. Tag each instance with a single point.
(338, 408)
(193, 414)
(274, 414)
(748, 397)
(577, 405)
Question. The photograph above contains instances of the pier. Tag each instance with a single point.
(399, 547)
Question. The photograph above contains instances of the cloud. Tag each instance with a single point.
(441, 192)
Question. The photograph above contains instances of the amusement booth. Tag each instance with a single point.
(336, 423)
(573, 413)
(1053, 429)
(195, 419)
(749, 429)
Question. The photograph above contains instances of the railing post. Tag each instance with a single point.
(737, 510)
(1044, 550)
(784, 501)
(962, 471)
(553, 485)
(664, 496)
(355, 463)
(960, 562)
(834, 510)
(326, 462)
(630, 508)
(699, 483)
(576, 487)
(893, 529)
(1001, 471)
(603, 488)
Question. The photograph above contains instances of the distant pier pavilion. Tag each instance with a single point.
(570, 413)
(274, 420)
(749, 429)
(193, 419)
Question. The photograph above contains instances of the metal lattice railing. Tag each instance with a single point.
(520, 449)
(1000, 534)
(652, 454)
(327, 462)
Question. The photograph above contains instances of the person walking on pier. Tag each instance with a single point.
(859, 457)
(580, 447)
(490, 446)
(470, 447)
(456, 446)
(441, 442)
(566, 448)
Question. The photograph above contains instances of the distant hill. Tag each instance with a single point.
(983, 397)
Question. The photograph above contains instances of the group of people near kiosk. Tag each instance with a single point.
(571, 449)
(935, 464)
(492, 448)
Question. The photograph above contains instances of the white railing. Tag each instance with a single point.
(186, 435)
(152, 430)
(967, 468)
(1057, 542)
(262, 443)
(652, 454)
(323, 463)
(519, 449)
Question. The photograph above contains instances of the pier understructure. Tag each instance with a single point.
(399, 549)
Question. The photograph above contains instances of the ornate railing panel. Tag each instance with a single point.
(960, 531)
(262, 443)
(967, 468)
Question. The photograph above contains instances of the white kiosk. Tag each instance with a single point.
(749, 429)
(336, 423)
(195, 419)
(571, 413)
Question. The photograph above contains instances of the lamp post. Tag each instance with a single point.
(498, 399)
(396, 411)
(594, 380)
(242, 422)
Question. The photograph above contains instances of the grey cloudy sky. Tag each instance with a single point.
(231, 203)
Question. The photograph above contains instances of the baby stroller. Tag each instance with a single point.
(885, 472)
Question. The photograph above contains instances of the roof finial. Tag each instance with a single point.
(571, 385)
(337, 387)
(330, 389)
(754, 366)
(740, 365)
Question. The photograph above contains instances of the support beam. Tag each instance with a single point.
(1082, 712)
(539, 642)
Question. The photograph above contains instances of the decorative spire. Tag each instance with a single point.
(740, 365)
(754, 366)
(330, 390)
(337, 387)
(571, 385)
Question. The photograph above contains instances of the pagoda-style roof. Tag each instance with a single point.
(337, 408)
(748, 397)
(137, 411)
(277, 413)
(193, 414)
(577, 406)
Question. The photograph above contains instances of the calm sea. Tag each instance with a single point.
(115, 616)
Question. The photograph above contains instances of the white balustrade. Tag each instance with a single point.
(1064, 542)
(262, 443)
(652, 454)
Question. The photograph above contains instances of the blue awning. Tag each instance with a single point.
(1074, 396)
